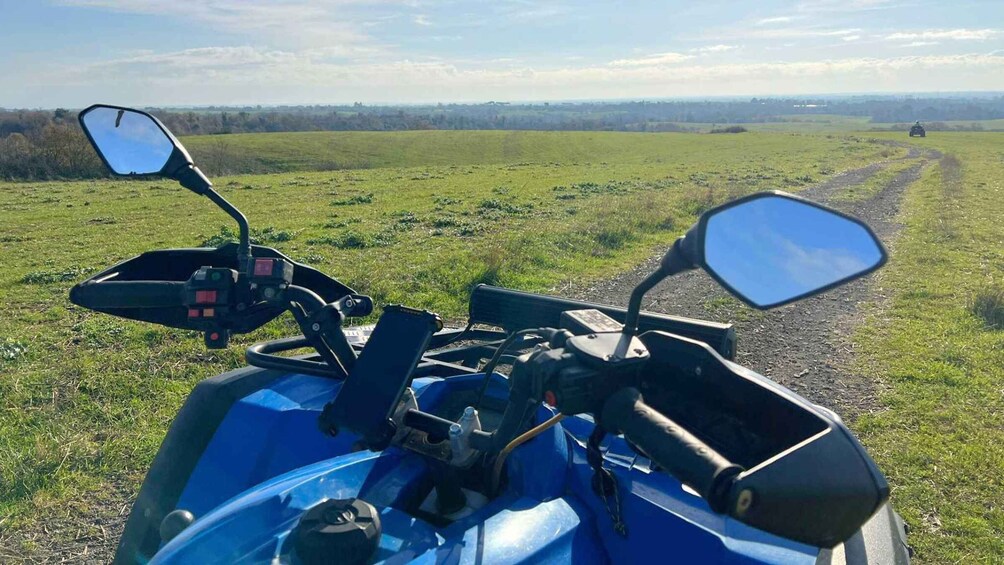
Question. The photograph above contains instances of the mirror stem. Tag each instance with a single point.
(634, 305)
(193, 179)
(674, 262)
(244, 249)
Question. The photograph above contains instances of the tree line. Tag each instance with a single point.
(50, 144)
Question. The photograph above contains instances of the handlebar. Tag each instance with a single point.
(128, 294)
(670, 446)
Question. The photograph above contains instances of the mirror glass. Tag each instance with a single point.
(131, 142)
(774, 249)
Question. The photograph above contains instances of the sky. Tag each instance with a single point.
(70, 53)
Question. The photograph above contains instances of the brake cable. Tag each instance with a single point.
(520, 440)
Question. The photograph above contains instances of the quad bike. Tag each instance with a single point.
(917, 130)
(618, 436)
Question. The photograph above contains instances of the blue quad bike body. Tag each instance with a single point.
(617, 436)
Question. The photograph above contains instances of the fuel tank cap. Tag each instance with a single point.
(337, 531)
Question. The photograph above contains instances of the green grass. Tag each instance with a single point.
(313, 151)
(323, 151)
(875, 183)
(940, 435)
(834, 124)
(85, 398)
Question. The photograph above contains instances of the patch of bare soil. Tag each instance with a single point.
(805, 346)
(86, 533)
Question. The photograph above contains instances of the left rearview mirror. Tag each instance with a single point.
(130, 142)
(133, 143)
(770, 249)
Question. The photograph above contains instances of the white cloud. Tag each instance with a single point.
(960, 34)
(247, 75)
(304, 51)
(651, 60)
(784, 32)
(775, 20)
(720, 48)
(810, 6)
(795, 32)
(291, 22)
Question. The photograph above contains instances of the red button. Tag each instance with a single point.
(193, 312)
(205, 297)
(263, 267)
(550, 399)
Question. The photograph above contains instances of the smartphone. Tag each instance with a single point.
(370, 394)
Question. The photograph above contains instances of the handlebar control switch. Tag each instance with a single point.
(208, 294)
(270, 276)
(217, 339)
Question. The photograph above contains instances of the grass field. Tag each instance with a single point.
(86, 398)
(322, 151)
(938, 345)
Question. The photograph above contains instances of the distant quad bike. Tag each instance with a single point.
(917, 130)
(619, 436)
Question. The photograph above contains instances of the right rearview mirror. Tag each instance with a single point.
(773, 248)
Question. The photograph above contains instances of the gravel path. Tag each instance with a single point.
(806, 345)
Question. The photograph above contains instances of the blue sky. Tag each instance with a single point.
(194, 52)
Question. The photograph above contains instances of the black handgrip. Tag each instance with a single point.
(128, 294)
(670, 446)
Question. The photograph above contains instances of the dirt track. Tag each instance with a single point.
(805, 346)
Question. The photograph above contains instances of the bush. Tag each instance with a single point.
(49, 277)
(730, 129)
(11, 350)
(494, 208)
(348, 240)
(53, 151)
(988, 305)
(357, 199)
(258, 236)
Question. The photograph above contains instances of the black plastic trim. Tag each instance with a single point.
(515, 310)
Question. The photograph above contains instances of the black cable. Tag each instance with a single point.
(493, 362)
(464, 332)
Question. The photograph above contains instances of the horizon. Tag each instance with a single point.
(825, 97)
(415, 52)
